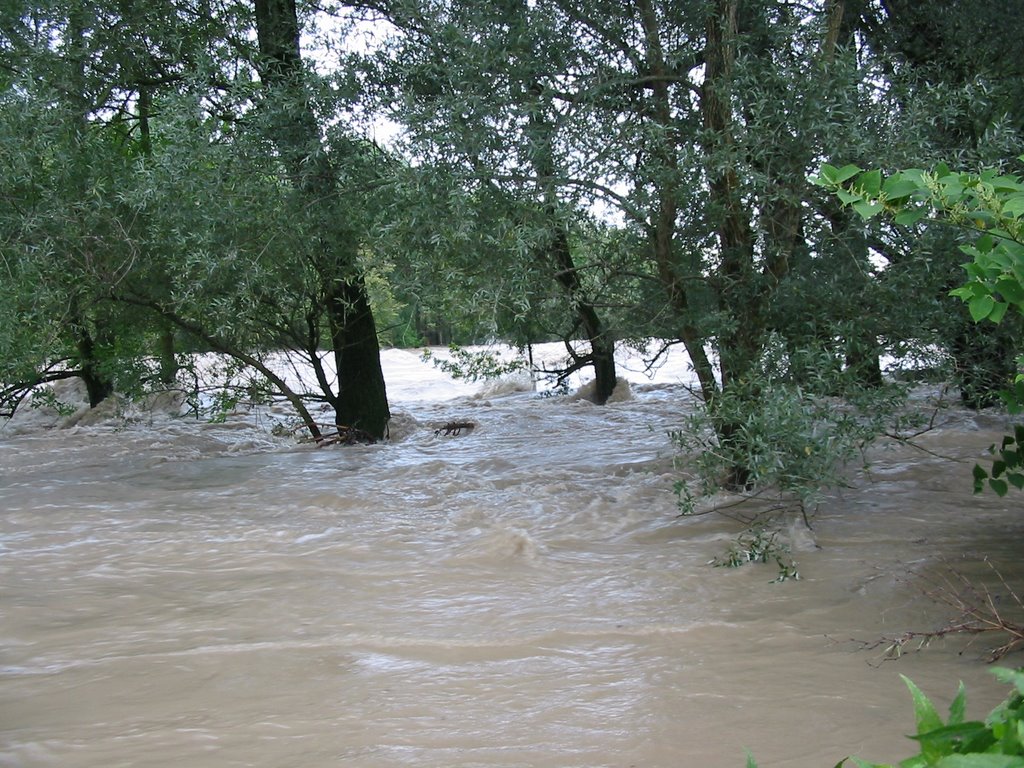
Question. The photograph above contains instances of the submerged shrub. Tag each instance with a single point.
(784, 437)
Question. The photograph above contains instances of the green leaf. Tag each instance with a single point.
(896, 187)
(848, 197)
(949, 734)
(1016, 480)
(910, 217)
(969, 291)
(980, 761)
(952, 187)
(999, 486)
(980, 476)
(981, 307)
(998, 312)
(925, 714)
(915, 761)
(871, 183)
(826, 175)
(844, 173)
(1011, 289)
(973, 269)
(867, 210)
(1014, 206)
(958, 707)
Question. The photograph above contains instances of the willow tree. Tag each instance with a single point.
(361, 399)
(58, 227)
(472, 85)
(182, 196)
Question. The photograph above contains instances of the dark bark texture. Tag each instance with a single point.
(361, 400)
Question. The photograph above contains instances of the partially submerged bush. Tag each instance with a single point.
(787, 439)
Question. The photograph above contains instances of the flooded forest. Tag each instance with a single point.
(520, 384)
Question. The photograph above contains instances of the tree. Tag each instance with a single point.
(953, 71)
(171, 114)
(472, 83)
(361, 399)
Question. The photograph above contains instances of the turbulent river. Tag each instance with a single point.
(179, 593)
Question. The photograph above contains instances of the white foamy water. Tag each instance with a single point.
(175, 593)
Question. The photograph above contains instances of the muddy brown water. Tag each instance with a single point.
(174, 593)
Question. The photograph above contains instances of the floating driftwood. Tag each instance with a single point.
(345, 436)
(454, 428)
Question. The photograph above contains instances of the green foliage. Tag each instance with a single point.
(788, 436)
(996, 742)
(1008, 466)
(760, 545)
(990, 207)
(475, 366)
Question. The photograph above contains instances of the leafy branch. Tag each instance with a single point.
(990, 207)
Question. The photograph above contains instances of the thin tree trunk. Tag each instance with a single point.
(217, 345)
(663, 226)
(602, 346)
(559, 257)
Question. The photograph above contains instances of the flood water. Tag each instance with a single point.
(175, 593)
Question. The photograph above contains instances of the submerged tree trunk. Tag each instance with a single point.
(602, 345)
(98, 386)
(361, 400)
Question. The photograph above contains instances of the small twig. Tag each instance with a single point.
(977, 614)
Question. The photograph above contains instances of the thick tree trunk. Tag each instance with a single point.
(739, 345)
(168, 363)
(361, 400)
(354, 342)
(663, 223)
(98, 386)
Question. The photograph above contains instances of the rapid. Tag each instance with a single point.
(523, 594)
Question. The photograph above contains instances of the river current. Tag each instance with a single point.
(523, 594)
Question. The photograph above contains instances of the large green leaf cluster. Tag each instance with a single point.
(996, 742)
(988, 205)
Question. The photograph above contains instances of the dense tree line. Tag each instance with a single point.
(202, 175)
